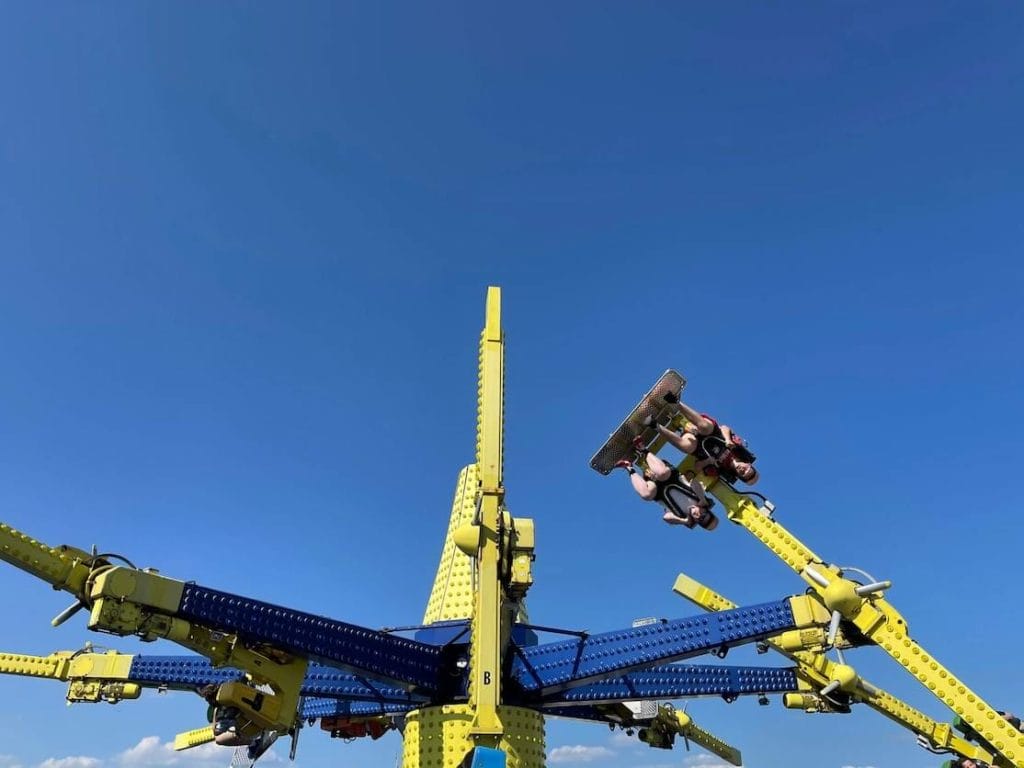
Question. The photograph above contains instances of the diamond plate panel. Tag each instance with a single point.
(620, 443)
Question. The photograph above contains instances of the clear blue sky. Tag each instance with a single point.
(244, 257)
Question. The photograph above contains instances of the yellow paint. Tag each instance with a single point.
(62, 567)
(815, 671)
(193, 738)
(52, 666)
(451, 597)
(440, 737)
(487, 631)
(670, 722)
(878, 621)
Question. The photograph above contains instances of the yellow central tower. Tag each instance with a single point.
(482, 577)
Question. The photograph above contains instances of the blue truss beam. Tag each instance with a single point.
(312, 708)
(678, 681)
(549, 668)
(190, 672)
(398, 660)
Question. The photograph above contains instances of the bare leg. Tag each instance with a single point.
(685, 442)
(704, 425)
(645, 488)
(659, 469)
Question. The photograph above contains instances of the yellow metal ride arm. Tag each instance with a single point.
(124, 600)
(816, 671)
(865, 608)
(670, 722)
(93, 677)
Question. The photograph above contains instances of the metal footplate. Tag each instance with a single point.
(653, 406)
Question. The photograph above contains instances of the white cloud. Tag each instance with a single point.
(150, 751)
(578, 754)
(858, 766)
(622, 739)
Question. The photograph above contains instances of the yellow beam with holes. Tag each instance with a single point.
(670, 722)
(65, 665)
(876, 619)
(91, 677)
(62, 567)
(485, 643)
(817, 670)
(194, 738)
(52, 667)
(708, 740)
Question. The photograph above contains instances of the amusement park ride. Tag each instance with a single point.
(472, 686)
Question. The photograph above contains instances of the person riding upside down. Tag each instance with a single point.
(719, 451)
(684, 500)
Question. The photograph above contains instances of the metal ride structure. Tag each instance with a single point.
(471, 685)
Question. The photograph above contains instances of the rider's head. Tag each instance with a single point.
(966, 762)
(746, 472)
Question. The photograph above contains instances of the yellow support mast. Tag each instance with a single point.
(469, 585)
(486, 640)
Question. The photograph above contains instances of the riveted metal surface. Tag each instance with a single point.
(682, 680)
(179, 671)
(554, 666)
(452, 596)
(439, 737)
(188, 672)
(359, 649)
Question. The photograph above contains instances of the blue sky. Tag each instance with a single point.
(244, 257)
